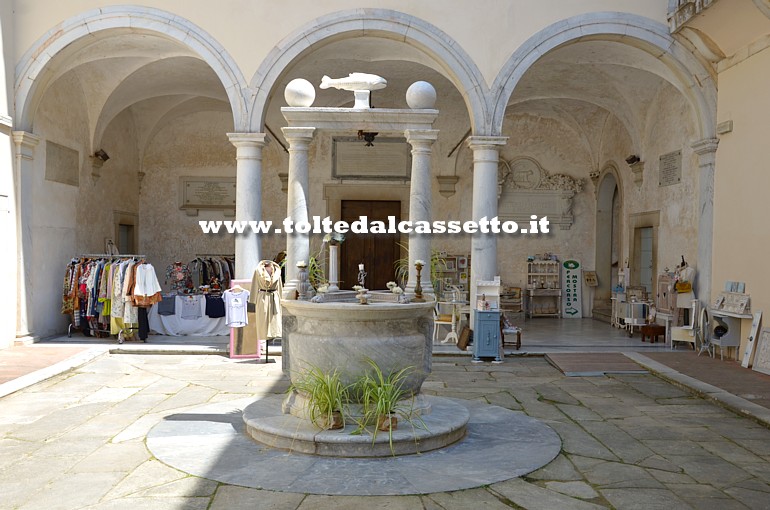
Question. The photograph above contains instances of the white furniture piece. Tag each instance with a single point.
(687, 332)
(732, 336)
(543, 288)
(441, 319)
(618, 309)
(635, 315)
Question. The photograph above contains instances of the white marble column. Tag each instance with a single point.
(248, 199)
(420, 205)
(24, 144)
(706, 150)
(486, 156)
(297, 208)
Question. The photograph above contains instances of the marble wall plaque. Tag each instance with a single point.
(386, 158)
(670, 168)
(212, 193)
(62, 164)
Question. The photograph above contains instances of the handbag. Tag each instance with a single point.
(683, 287)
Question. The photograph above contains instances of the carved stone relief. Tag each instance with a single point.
(524, 188)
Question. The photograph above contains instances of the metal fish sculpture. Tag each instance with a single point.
(355, 81)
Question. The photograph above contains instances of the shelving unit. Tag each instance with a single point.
(543, 288)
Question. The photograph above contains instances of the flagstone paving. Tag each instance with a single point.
(628, 441)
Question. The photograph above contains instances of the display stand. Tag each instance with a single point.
(243, 341)
(543, 288)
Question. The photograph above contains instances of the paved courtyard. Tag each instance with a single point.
(629, 441)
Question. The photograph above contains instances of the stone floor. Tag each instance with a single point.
(77, 440)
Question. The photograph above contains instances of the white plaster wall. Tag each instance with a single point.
(115, 190)
(249, 30)
(742, 181)
(666, 129)
(71, 220)
(192, 145)
(559, 150)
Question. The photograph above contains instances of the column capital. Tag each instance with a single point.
(248, 139)
(298, 134)
(25, 143)
(705, 146)
(486, 142)
(421, 135)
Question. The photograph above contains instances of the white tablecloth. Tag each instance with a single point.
(174, 325)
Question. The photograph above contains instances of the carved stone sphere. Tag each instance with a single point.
(299, 93)
(421, 95)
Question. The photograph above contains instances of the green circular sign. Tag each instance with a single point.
(571, 264)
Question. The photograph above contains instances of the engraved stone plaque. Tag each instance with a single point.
(670, 168)
(62, 164)
(386, 158)
(211, 193)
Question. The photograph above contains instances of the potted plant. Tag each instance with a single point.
(326, 396)
(381, 399)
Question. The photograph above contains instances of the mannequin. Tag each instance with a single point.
(684, 273)
(266, 296)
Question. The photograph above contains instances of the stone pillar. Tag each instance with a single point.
(486, 157)
(297, 209)
(706, 150)
(420, 205)
(248, 199)
(24, 144)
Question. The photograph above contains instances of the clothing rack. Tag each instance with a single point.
(122, 333)
(108, 256)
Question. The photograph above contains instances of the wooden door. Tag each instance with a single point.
(378, 252)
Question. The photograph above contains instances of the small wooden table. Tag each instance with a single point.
(653, 331)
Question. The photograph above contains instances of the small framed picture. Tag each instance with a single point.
(451, 263)
(462, 263)
(463, 277)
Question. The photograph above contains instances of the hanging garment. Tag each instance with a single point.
(146, 288)
(266, 295)
(179, 278)
(236, 306)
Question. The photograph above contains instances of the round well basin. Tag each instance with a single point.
(343, 335)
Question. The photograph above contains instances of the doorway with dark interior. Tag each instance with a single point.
(377, 252)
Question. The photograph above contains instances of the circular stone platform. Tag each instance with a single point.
(210, 441)
(444, 425)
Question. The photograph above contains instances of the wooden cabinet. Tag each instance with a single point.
(486, 335)
(543, 288)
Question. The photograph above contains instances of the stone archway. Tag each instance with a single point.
(446, 56)
(32, 76)
(682, 69)
(608, 231)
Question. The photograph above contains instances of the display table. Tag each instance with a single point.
(175, 325)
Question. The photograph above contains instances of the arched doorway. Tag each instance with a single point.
(608, 229)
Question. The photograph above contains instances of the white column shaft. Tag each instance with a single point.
(420, 205)
(334, 266)
(484, 246)
(248, 199)
(706, 151)
(25, 144)
(297, 208)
